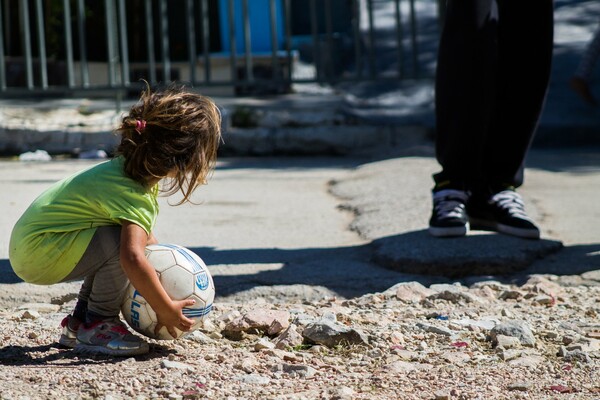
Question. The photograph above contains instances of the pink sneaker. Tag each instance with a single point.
(109, 337)
(69, 325)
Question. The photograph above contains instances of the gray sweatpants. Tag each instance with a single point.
(104, 281)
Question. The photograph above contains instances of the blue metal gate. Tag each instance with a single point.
(63, 47)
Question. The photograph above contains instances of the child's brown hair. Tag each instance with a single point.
(172, 132)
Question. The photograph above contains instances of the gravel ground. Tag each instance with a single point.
(489, 340)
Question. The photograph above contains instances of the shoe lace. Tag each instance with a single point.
(450, 203)
(511, 202)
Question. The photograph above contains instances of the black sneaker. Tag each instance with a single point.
(503, 212)
(449, 216)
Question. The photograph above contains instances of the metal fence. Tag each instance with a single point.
(246, 46)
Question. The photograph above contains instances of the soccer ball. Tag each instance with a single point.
(183, 275)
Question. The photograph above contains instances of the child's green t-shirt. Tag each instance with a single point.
(51, 236)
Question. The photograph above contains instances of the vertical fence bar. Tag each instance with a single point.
(110, 41)
(164, 32)
(123, 41)
(322, 29)
(150, 41)
(2, 60)
(314, 27)
(399, 38)
(274, 44)
(39, 11)
(232, 46)
(288, 37)
(413, 39)
(247, 41)
(191, 27)
(27, 43)
(330, 68)
(69, 43)
(85, 73)
(206, 41)
(357, 38)
(371, 51)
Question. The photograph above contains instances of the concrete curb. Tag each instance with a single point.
(321, 140)
(17, 141)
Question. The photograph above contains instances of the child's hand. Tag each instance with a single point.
(145, 279)
(174, 318)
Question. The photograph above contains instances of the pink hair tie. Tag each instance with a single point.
(140, 125)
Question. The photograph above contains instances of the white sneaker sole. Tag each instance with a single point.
(67, 341)
(454, 231)
(480, 224)
(83, 348)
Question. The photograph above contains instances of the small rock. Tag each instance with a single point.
(317, 349)
(520, 386)
(289, 338)
(442, 395)
(577, 355)
(435, 329)
(544, 300)
(331, 334)
(507, 342)
(253, 379)
(263, 343)
(247, 365)
(456, 357)
(258, 321)
(30, 314)
(409, 292)
(276, 327)
(60, 300)
(508, 355)
(167, 364)
(401, 367)
(515, 328)
(303, 371)
(531, 361)
(199, 337)
(485, 324)
(342, 393)
(511, 295)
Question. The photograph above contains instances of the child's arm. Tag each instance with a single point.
(144, 278)
(151, 239)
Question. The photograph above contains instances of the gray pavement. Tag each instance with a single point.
(293, 228)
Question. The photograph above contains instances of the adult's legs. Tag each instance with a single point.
(465, 90)
(525, 37)
(465, 93)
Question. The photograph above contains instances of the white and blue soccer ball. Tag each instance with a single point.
(184, 276)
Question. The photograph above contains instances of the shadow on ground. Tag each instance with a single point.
(413, 256)
(54, 354)
(477, 254)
